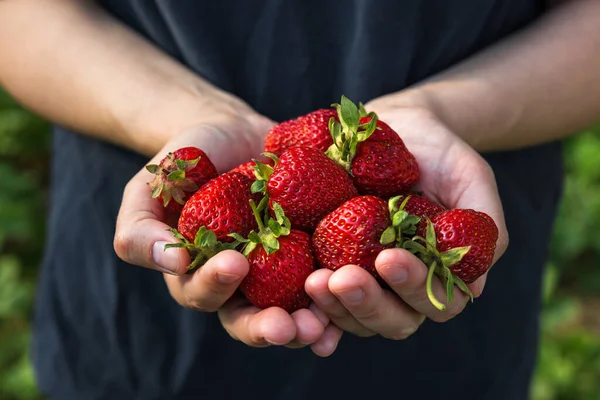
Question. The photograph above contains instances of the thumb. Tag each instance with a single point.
(140, 236)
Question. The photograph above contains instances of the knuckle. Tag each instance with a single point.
(338, 313)
(196, 304)
(123, 244)
(369, 314)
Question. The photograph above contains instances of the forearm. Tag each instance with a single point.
(75, 65)
(538, 85)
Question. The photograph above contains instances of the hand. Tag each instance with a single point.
(141, 236)
(453, 174)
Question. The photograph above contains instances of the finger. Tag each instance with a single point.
(407, 276)
(376, 309)
(140, 236)
(255, 327)
(327, 344)
(474, 186)
(208, 288)
(308, 328)
(317, 287)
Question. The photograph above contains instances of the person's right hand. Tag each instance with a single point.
(141, 235)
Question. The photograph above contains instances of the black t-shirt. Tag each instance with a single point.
(108, 330)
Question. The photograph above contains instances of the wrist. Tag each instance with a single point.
(427, 102)
(178, 109)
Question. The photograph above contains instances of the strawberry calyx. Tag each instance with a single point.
(438, 263)
(269, 229)
(262, 173)
(348, 132)
(204, 247)
(170, 181)
(404, 225)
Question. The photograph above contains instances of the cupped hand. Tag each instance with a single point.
(141, 235)
(453, 174)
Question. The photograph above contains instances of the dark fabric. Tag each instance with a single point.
(108, 330)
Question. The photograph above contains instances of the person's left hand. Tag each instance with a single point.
(453, 174)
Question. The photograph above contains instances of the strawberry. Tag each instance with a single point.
(420, 206)
(357, 231)
(306, 184)
(280, 259)
(180, 174)
(310, 130)
(371, 152)
(458, 245)
(248, 168)
(218, 209)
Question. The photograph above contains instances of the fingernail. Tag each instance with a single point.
(273, 343)
(352, 296)
(395, 274)
(227, 278)
(167, 261)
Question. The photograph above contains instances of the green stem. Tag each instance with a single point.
(261, 226)
(436, 303)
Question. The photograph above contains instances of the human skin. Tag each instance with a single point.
(538, 85)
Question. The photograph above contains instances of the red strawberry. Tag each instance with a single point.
(351, 234)
(280, 260)
(371, 152)
(218, 209)
(247, 168)
(458, 245)
(420, 206)
(179, 175)
(310, 130)
(306, 184)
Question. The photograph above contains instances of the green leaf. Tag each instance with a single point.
(452, 256)
(361, 110)
(349, 114)
(399, 217)
(166, 196)
(274, 227)
(254, 237)
(181, 164)
(272, 157)
(430, 234)
(190, 164)
(270, 244)
(152, 168)
(199, 235)
(463, 286)
(262, 205)
(448, 278)
(176, 176)
(174, 245)
(259, 186)
(249, 248)
(388, 236)
(156, 191)
(238, 237)
(209, 239)
(393, 204)
(279, 213)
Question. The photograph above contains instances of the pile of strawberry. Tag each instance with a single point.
(337, 188)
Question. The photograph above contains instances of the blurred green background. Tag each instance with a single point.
(569, 358)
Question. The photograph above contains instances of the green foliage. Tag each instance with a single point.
(569, 358)
(23, 179)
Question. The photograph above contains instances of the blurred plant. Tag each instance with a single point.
(24, 142)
